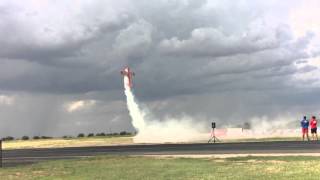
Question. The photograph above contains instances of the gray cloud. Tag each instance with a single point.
(212, 42)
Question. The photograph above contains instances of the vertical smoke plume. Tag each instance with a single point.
(135, 113)
(156, 131)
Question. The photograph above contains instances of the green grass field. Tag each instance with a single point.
(139, 168)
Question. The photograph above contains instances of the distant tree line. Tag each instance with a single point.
(80, 135)
(122, 133)
(9, 138)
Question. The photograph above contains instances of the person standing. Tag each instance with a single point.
(305, 126)
(313, 126)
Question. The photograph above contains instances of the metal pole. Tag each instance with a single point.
(0, 153)
(214, 136)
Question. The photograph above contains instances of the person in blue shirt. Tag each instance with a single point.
(305, 127)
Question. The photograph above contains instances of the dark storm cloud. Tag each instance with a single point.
(20, 42)
(212, 42)
(210, 59)
(136, 38)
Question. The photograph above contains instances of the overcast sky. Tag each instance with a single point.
(226, 61)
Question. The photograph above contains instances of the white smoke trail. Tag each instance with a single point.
(136, 114)
(155, 131)
(187, 130)
(282, 126)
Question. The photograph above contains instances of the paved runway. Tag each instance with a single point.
(26, 156)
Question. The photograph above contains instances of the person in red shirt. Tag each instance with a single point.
(313, 125)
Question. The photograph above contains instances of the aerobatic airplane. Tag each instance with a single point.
(129, 74)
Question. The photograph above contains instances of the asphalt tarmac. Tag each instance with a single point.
(27, 156)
